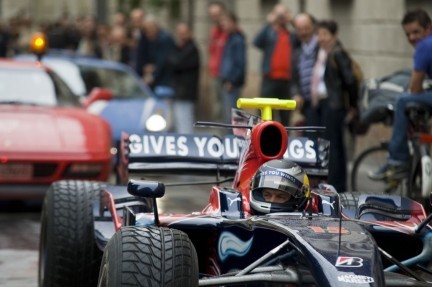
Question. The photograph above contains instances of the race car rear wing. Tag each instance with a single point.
(208, 154)
(182, 153)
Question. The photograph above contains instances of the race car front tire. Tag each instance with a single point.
(68, 255)
(153, 256)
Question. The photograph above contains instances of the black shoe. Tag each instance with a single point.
(389, 171)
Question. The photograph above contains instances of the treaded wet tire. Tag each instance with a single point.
(68, 255)
(141, 256)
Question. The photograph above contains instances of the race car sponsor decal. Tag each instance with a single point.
(300, 149)
(356, 279)
(232, 200)
(199, 146)
(329, 229)
(342, 261)
(230, 245)
(328, 203)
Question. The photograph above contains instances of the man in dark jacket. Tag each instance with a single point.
(160, 45)
(233, 66)
(185, 64)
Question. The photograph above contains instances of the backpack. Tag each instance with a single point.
(357, 72)
(355, 125)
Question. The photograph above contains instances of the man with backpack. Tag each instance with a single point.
(417, 26)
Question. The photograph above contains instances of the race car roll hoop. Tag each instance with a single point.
(266, 105)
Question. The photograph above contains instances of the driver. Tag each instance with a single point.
(279, 186)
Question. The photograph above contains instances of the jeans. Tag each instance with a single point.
(398, 147)
(229, 101)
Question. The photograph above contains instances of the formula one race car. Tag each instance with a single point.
(96, 234)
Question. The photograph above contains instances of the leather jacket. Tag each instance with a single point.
(339, 80)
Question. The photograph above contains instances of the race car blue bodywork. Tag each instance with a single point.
(329, 245)
(333, 240)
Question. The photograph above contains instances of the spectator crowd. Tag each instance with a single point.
(302, 59)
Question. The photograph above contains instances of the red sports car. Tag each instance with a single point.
(45, 135)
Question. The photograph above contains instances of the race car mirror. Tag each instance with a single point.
(97, 94)
(151, 189)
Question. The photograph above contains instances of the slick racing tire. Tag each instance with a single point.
(154, 256)
(68, 255)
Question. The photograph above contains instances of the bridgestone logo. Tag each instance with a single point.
(357, 279)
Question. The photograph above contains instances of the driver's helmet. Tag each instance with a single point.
(279, 186)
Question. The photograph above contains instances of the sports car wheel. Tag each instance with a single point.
(140, 256)
(68, 255)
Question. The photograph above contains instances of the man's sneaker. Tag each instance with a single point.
(389, 171)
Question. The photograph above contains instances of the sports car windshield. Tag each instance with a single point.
(34, 87)
(121, 83)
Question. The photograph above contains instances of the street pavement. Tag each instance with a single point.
(19, 240)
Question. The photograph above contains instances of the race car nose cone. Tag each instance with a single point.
(151, 189)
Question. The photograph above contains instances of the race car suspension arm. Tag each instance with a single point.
(230, 179)
(423, 223)
(290, 277)
(263, 258)
(400, 265)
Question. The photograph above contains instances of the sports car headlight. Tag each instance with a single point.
(156, 123)
(84, 170)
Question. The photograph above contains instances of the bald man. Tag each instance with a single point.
(304, 58)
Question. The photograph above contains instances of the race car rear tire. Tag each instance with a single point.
(349, 200)
(68, 255)
(154, 256)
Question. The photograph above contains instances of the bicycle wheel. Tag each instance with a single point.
(369, 160)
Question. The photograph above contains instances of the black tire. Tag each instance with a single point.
(349, 200)
(141, 256)
(370, 159)
(68, 255)
(415, 188)
(415, 183)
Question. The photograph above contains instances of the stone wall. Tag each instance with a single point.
(369, 29)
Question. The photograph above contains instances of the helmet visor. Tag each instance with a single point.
(287, 183)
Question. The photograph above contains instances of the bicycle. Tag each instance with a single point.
(418, 183)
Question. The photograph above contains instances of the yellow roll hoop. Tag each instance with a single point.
(267, 105)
